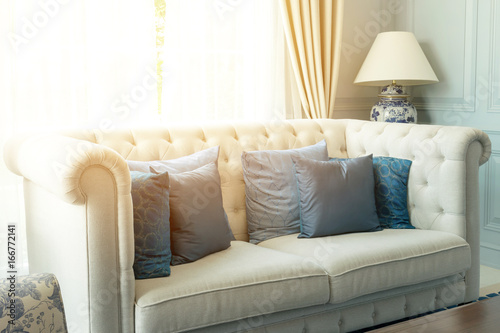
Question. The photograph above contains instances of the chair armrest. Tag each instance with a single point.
(32, 303)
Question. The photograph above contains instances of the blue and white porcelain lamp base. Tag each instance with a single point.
(393, 106)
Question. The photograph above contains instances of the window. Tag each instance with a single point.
(222, 60)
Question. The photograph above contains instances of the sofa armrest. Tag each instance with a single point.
(443, 172)
(443, 187)
(57, 162)
(79, 225)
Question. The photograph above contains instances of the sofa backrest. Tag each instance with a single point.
(77, 184)
(438, 152)
(164, 143)
(443, 181)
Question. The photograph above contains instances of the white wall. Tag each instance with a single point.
(461, 39)
(363, 20)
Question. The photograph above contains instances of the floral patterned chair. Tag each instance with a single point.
(31, 303)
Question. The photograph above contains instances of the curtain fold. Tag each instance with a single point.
(313, 30)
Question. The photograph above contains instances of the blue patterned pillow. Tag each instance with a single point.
(150, 197)
(391, 181)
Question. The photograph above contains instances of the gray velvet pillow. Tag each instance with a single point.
(272, 201)
(198, 223)
(336, 197)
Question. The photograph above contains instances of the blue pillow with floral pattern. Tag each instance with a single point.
(391, 181)
(150, 197)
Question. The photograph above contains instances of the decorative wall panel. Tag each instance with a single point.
(490, 207)
(492, 185)
(493, 91)
(449, 43)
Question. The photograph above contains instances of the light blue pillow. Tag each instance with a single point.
(391, 181)
(272, 201)
(336, 197)
(181, 164)
(198, 222)
(150, 197)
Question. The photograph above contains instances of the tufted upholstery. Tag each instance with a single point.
(437, 152)
(76, 182)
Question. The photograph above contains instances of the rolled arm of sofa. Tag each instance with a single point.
(443, 182)
(443, 187)
(57, 163)
(81, 191)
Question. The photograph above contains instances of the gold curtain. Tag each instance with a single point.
(313, 30)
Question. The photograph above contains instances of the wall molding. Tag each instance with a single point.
(466, 102)
(355, 104)
(490, 254)
(492, 172)
(445, 104)
(490, 246)
(493, 69)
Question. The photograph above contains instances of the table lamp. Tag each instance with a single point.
(395, 60)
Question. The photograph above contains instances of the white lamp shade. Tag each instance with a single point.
(395, 55)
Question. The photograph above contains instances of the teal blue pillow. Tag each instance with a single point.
(336, 197)
(150, 197)
(391, 181)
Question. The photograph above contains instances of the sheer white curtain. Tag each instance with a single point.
(225, 60)
(70, 63)
(88, 63)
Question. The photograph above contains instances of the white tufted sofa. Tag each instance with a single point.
(80, 226)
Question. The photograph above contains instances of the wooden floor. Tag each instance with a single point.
(477, 317)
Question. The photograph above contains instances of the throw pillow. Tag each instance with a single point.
(198, 223)
(272, 201)
(151, 224)
(391, 181)
(181, 164)
(336, 197)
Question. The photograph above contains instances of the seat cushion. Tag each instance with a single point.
(363, 263)
(242, 281)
